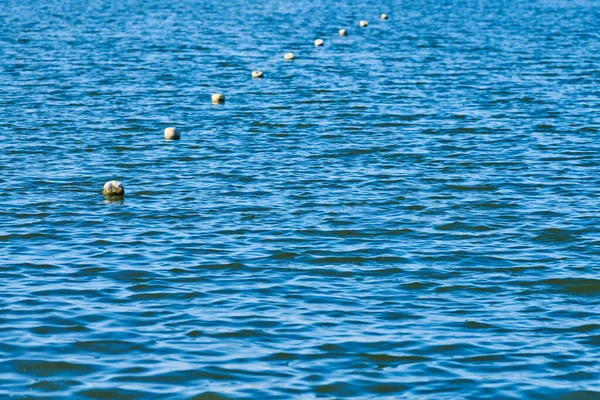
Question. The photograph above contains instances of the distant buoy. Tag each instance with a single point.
(384, 16)
(319, 42)
(343, 32)
(257, 74)
(218, 98)
(172, 134)
(289, 57)
(363, 23)
(113, 189)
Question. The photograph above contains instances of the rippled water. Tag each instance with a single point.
(408, 211)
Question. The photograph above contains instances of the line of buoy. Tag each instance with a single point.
(116, 190)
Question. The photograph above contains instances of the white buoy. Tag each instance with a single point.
(218, 98)
(363, 23)
(384, 16)
(289, 57)
(319, 42)
(172, 134)
(343, 32)
(113, 189)
(257, 74)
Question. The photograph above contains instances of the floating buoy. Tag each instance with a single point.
(384, 16)
(257, 74)
(289, 57)
(172, 134)
(363, 23)
(319, 42)
(343, 32)
(113, 189)
(218, 98)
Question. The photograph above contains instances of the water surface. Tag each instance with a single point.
(410, 211)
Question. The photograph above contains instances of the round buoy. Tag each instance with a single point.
(288, 57)
(363, 23)
(343, 32)
(257, 74)
(218, 98)
(113, 189)
(384, 16)
(319, 42)
(172, 134)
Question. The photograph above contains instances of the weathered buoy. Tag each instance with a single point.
(218, 98)
(257, 74)
(288, 56)
(172, 134)
(113, 189)
(384, 16)
(363, 23)
(319, 42)
(343, 32)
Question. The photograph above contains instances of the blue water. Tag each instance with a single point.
(410, 211)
